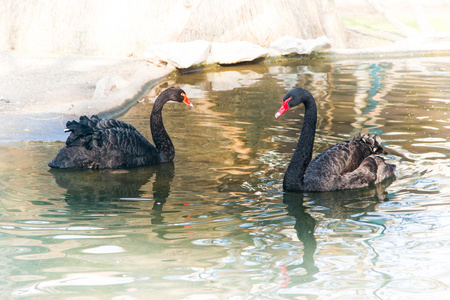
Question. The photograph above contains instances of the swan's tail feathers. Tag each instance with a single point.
(384, 170)
(81, 132)
(363, 176)
(84, 126)
(374, 141)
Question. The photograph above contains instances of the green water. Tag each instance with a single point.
(215, 224)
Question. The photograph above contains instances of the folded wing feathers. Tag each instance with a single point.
(96, 132)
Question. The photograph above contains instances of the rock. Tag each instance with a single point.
(235, 52)
(185, 55)
(180, 55)
(289, 45)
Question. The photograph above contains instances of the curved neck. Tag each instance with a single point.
(159, 134)
(293, 178)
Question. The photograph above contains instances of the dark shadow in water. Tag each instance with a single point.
(112, 188)
(335, 205)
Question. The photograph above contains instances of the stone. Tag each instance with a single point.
(235, 52)
(180, 55)
(289, 45)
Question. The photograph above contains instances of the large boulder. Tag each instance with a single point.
(289, 45)
(180, 55)
(235, 52)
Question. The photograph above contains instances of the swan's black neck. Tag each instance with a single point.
(293, 178)
(159, 134)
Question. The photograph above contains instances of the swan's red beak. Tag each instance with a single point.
(186, 101)
(284, 107)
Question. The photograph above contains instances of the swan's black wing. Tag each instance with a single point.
(104, 143)
(107, 134)
(347, 156)
(350, 164)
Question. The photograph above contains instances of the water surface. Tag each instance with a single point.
(215, 224)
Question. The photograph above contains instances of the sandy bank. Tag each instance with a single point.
(31, 84)
(40, 93)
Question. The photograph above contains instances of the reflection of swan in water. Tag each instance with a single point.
(339, 205)
(103, 188)
(304, 226)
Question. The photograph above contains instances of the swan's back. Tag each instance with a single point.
(96, 143)
(347, 165)
(86, 129)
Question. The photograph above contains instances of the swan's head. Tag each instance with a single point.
(176, 94)
(293, 98)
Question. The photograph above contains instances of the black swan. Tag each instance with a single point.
(110, 144)
(347, 165)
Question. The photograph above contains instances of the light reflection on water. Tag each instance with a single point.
(215, 224)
